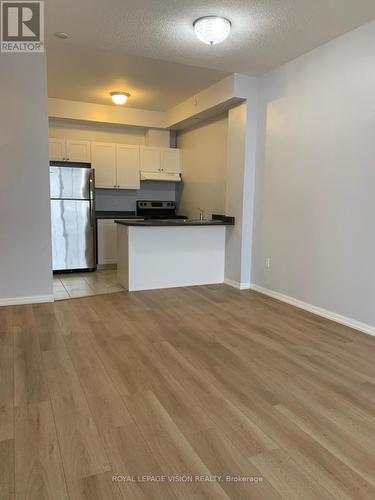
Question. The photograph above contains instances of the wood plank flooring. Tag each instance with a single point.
(192, 393)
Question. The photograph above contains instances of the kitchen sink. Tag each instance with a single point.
(198, 221)
(184, 222)
(190, 221)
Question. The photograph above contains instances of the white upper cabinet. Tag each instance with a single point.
(117, 166)
(68, 150)
(127, 163)
(78, 151)
(103, 160)
(161, 160)
(57, 149)
(150, 159)
(171, 160)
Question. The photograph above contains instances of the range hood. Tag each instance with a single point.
(160, 176)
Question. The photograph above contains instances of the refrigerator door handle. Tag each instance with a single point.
(92, 206)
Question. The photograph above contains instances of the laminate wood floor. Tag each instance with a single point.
(202, 392)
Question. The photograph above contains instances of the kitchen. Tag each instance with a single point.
(130, 166)
(201, 305)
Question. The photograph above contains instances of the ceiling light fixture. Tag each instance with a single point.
(212, 29)
(119, 97)
(61, 34)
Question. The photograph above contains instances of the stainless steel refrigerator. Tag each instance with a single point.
(73, 216)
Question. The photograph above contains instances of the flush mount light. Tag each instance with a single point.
(61, 34)
(119, 97)
(212, 29)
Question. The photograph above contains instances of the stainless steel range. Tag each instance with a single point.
(158, 210)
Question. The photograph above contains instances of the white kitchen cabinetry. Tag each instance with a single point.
(171, 160)
(57, 149)
(116, 165)
(69, 150)
(103, 160)
(107, 242)
(78, 151)
(150, 159)
(127, 166)
(161, 160)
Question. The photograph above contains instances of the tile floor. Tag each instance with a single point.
(72, 285)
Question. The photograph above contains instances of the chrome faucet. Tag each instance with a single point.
(201, 214)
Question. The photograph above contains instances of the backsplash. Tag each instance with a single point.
(125, 199)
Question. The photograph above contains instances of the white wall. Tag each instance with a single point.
(157, 137)
(240, 184)
(64, 129)
(211, 97)
(25, 241)
(203, 161)
(206, 104)
(106, 114)
(315, 207)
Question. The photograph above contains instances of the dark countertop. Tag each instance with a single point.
(104, 214)
(172, 223)
(215, 221)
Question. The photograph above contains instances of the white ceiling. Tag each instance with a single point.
(148, 47)
(89, 74)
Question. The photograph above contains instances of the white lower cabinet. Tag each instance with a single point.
(107, 242)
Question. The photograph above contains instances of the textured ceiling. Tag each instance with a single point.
(83, 74)
(107, 36)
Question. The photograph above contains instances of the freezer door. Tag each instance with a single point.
(73, 235)
(70, 182)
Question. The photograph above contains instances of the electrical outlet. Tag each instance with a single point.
(267, 263)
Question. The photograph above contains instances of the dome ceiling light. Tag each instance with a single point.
(212, 29)
(119, 98)
(62, 35)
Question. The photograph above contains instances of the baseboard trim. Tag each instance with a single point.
(102, 267)
(338, 318)
(237, 284)
(35, 299)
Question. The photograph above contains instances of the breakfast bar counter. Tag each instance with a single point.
(171, 253)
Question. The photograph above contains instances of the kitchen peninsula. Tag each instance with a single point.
(164, 254)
